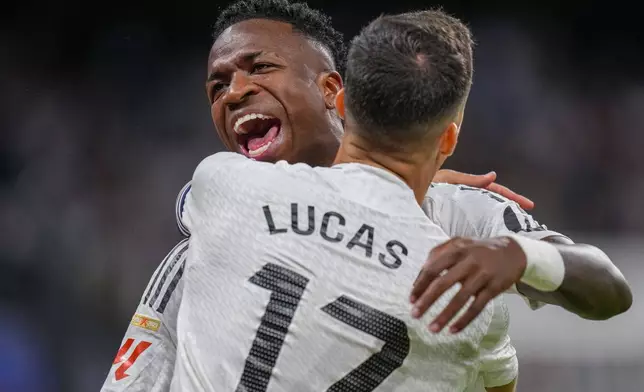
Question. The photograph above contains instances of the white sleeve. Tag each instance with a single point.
(498, 360)
(509, 218)
(215, 183)
(146, 357)
(464, 211)
(443, 207)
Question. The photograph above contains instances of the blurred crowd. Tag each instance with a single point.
(91, 161)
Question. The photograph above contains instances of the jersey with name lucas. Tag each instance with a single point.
(298, 278)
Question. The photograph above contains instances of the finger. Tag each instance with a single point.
(432, 270)
(482, 299)
(506, 192)
(470, 288)
(448, 246)
(438, 287)
(436, 252)
(475, 180)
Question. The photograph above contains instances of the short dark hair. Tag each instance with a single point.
(312, 23)
(407, 71)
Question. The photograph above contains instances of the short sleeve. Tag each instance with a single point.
(478, 213)
(146, 358)
(509, 218)
(464, 211)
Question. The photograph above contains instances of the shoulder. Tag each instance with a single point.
(474, 202)
(461, 210)
(217, 176)
(235, 169)
(451, 193)
(219, 164)
(476, 212)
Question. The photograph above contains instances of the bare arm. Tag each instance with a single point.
(589, 284)
(593, 287)
(511, 387)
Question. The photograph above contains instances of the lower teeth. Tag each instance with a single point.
(260, 150)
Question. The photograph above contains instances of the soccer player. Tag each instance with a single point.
(291, 73)
(297, 278)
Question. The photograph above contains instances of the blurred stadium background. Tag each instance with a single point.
(103, 117)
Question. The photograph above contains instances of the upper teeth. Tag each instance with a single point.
(240, 121)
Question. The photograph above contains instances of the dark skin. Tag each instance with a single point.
(263, 66)
(593, 287)
(251, 71)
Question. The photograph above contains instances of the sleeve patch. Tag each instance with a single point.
(145, 322)
(181, 201)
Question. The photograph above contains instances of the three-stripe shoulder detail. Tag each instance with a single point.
(166, 278)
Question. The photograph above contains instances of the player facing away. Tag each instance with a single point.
(288, 71)
(297, 278)
(294, 63)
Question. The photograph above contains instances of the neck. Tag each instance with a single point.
(414, 168)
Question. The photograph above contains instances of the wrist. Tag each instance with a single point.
(545, 267)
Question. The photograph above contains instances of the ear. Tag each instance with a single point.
(449, 139)
(330, 84)
(339, 103)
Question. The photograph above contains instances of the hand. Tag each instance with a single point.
(485, 269)
(484, 181)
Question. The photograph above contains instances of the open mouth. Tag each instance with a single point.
(256, 133)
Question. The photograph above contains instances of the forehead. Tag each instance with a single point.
(261, 35)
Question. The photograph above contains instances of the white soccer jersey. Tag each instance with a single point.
(457, 209)
(298, 279)
(463, 211)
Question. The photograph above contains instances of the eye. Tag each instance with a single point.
(261, 67)
(215, 90)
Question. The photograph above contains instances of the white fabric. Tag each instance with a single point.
(222, 306)
(464, 211)
(152, 369)
(545, 267)
(458, 210)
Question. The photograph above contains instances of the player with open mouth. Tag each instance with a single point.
(272, 85)
(257, 133)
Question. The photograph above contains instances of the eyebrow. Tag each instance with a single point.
(245, 58)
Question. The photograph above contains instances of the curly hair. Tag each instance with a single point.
(312, 23)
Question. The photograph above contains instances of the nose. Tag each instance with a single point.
(240, 89)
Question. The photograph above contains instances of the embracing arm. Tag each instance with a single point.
(586, 282)
(580, 278)
(592, 287)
